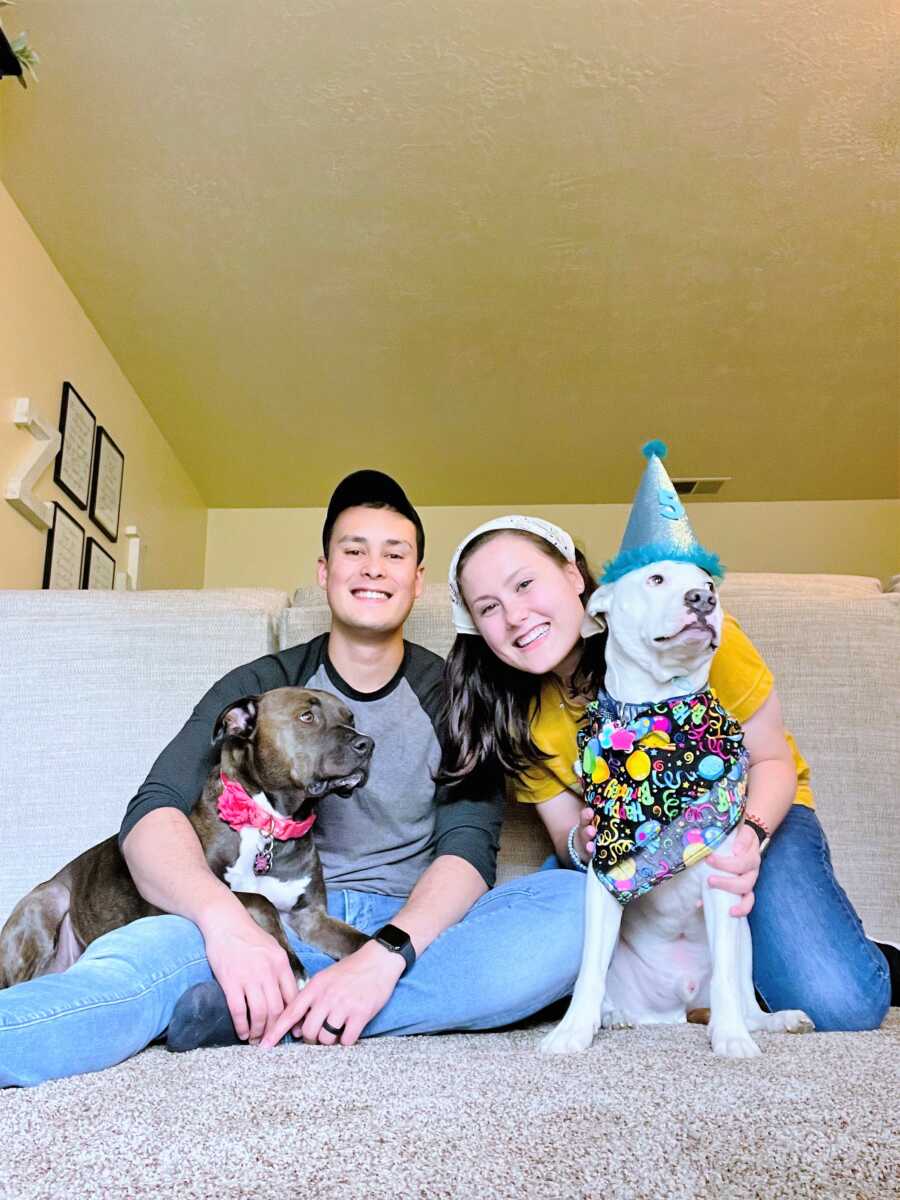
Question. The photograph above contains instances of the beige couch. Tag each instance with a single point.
(98, 682)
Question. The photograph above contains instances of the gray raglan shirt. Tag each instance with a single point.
(382, 837)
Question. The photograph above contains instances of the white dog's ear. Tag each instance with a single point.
(599, 603)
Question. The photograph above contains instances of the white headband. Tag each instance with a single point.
(557, 537)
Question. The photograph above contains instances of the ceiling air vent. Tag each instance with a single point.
(707, 486)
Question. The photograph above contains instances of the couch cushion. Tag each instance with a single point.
(753, 583)
(100, 683)
(835, 662)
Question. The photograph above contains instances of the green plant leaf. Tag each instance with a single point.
(26, 55)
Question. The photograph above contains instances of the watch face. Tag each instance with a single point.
(393, 937)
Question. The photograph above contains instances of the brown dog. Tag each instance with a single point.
(281, 752)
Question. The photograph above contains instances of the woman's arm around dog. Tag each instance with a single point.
(771, 788)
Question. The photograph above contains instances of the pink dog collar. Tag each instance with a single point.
(240, 811)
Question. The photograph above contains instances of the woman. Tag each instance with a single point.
(519, 675)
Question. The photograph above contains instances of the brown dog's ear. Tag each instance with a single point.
(237, 720)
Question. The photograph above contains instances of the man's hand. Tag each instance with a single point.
(347, 996)
(742, 865)
(170, 870)
(253, 971)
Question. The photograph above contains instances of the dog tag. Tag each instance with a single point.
(262, 863)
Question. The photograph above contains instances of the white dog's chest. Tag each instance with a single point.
(661, 965)
(240, 877)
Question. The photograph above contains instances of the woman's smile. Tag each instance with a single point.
(533, 636)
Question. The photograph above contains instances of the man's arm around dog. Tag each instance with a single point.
(170, 870)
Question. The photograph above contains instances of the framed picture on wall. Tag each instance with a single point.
(106, 485)
(72, 468)
(65, 549)
(99, 568)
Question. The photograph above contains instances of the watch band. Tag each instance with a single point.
(398, 941)
(760, 830)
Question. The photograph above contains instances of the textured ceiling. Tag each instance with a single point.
(490, 245)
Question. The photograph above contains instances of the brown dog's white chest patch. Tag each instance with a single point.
(240, 876)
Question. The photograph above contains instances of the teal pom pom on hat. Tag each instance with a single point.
(658, 528)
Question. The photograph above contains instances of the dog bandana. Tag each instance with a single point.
(239, 810)
(667, 784)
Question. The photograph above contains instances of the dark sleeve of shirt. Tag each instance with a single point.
(177, 777)
(469, 814)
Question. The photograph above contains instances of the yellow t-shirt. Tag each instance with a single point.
(739, 676)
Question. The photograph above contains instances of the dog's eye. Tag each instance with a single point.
(306, 716)
(655, 580)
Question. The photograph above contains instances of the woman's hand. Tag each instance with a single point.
(584, 838)
(742, 867)
(741, 864)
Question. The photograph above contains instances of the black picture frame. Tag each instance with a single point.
(69, 467)
(106, 484)
(99, 564)
(9, 64)
(60, 568)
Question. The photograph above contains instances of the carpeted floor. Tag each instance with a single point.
(644, 1114)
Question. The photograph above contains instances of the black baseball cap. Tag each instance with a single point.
(375, 490)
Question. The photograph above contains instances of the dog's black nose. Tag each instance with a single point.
(363, 744)
(700, 600)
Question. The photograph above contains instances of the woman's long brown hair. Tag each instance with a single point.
(489, 706)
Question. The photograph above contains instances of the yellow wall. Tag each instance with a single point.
(277, 547)
(46, 338)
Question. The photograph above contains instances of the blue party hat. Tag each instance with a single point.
(658, 528)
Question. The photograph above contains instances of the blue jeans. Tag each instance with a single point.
(809, 949)
(516, 950)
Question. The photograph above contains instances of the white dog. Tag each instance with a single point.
(675, 947)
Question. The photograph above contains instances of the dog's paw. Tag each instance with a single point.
(733, 1044)
(569, 1037)
(793, 1020)
(614, 1018)
(788, 1020)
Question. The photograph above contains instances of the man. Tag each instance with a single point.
(402, 859)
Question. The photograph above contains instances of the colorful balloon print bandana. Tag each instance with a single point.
(667, 784)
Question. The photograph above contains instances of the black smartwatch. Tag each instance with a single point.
(762, 834)
(397, 940)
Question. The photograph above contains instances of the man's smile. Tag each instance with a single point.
(372, 594)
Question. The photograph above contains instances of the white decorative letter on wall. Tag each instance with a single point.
(18, 488)
(128, 581)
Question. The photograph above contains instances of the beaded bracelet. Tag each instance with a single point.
(573, 853)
